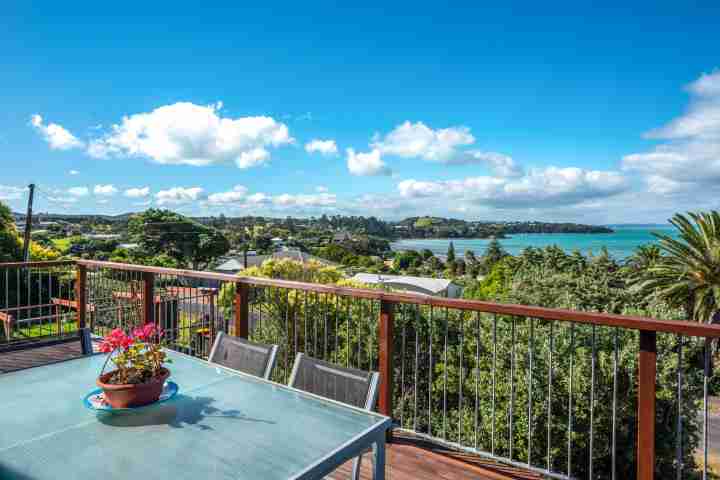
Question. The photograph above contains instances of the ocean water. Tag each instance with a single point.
(621, 244)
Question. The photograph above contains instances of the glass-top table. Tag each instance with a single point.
(221, 425)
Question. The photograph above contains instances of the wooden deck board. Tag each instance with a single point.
(35, 357)
(410, 458)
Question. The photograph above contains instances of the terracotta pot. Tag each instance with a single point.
(132, 395)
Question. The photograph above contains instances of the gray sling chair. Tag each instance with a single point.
(239, 354)
(347, 385)
(36, 352)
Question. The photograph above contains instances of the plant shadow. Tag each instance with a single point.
(180, 412)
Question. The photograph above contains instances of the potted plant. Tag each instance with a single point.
(140, 374)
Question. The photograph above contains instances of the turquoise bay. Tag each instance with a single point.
(621, 244)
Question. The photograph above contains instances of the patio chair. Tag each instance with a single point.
(244, 356)
(35, 352)
(348, 385)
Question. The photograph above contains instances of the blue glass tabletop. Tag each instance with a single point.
(220, 425)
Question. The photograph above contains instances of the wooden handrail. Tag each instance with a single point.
(51, 263)
(687, 328)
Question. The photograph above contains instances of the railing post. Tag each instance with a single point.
(647, 365)
(148, 297)
(385, 357)
(81, 294)
(242, 315)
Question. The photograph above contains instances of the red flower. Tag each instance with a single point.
(147, 332)
(114, 340)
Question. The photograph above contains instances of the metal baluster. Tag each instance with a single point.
(305, 303)
(531, 355)
(706, 433)
(570, 400)
(494, 385)
(614, 405)
(417, 363)
(445, 369)
(325, 326)
(359, 333)
(592, 400)
(511, 439)
(461, 369)
(549, 399)
(678, 434)
(337, 314)
(477, 373)
(347, 340)
(430, 369)
(403, 315)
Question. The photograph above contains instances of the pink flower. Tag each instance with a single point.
(146, 333)
(114, 340)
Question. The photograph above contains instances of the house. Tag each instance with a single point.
(234, 265)
(299, 256)
(342, 237)
(438, 287)
(102, 236)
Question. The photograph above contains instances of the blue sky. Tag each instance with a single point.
(577, 112)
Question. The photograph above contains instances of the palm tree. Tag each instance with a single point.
(645, 256)
(688, 274)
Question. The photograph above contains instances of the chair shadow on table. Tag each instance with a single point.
(180, 412)
(8, 473)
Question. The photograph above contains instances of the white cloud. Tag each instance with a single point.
(140, 192)
(689, 157)
(548, 187)
(256, 156)
(179, 195)
(258, 199)
(321, 189)
(237, 194)
(62, 199)
(78, 191)
(364, 164)
(314, 200)
(73, 172)
(417, 140)
(105, 190)
(187, 134)
(324, 147)
(9, 192)
(500, 165)
(57, 137)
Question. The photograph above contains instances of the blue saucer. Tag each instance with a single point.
(95, 400)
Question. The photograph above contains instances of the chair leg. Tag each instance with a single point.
(356, 468)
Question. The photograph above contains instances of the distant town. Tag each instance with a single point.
(357, 245)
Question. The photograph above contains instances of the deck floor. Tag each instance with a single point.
(410, 458)
(35, 357)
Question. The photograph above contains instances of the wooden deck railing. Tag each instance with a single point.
(392, 350)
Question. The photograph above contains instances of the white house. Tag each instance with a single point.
(438, 287)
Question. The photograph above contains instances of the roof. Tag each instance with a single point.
(231, 265)
(236, 264)
(299, 256)
(434, 285)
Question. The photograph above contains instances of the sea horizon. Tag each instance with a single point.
(620, 244)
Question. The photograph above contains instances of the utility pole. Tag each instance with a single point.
(28, 224)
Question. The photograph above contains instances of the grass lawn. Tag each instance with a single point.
(38, 330)
(63, 244)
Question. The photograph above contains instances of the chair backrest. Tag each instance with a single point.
(348, 385)
(35, 352)
(239, 354)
